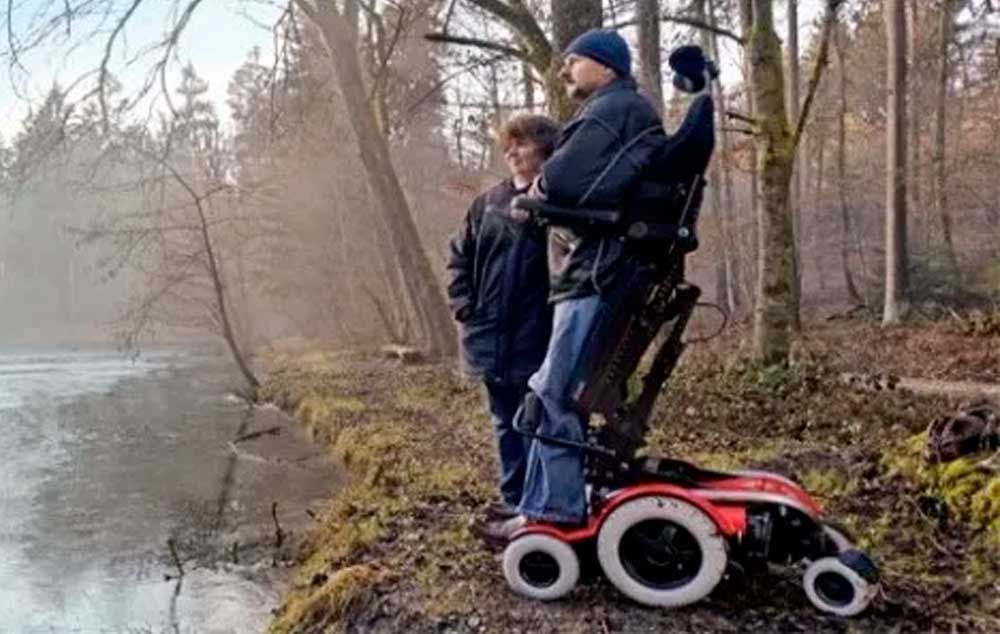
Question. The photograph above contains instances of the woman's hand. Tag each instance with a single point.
(517, 214)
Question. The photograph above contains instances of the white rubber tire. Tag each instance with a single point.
(864, 591)
(688, 516)
(561, 552)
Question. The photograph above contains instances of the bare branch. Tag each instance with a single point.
(705, 26)
(386, 53)
(822, 59)
(692, 22)
(477, 43)
(739, 116)
(519, 17)
(108, 47)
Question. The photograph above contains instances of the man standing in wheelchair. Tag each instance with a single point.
(601, 157)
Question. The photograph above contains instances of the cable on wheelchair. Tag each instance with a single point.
(718, 332)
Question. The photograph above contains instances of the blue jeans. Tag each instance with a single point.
(503, 401)
(554, 486)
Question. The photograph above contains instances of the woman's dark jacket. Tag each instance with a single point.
(499, 288)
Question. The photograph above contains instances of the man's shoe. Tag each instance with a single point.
(499, 511)
(498, 533)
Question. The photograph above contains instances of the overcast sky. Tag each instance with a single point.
(217, 40)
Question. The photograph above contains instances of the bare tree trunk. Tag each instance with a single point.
(796, 189)
(498, 115)
(392, 266)
(728, 201)
(746, 24)
(651, 77)
(940, 134)
(845, 213)
(570, 18)
(916, 94)
(459, 130)
(993, 210)
(817, 196)
(214, 269)
(895, 203)
(422, 286)
(723, 284)
(528, 78)
(775, 279)
(399, 330)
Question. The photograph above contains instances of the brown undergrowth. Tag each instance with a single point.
(393, 553)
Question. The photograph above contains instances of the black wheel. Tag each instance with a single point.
(661, 551)
(660, 554)
(538, 568)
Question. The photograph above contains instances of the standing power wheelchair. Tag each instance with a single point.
(666, 532)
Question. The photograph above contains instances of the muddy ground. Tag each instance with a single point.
(393, 553)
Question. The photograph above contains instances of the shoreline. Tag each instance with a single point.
(393, 552)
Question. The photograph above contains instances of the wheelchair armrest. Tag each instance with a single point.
(683, 235)
(546, 212)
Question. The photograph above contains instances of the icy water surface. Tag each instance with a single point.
(102, 460)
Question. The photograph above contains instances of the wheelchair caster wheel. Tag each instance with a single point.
(661, 551)
(843, 585)
(540, 567)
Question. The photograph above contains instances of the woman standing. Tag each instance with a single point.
(499, 293)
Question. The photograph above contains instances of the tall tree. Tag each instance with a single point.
(777, 143)
(570, 18)
(753, 182)
(651, 73)
(724, 160)
(796, 190)
(895, 191)
(916, 99)
(339, 33)
(776, 244)
(723, 285)
(945, 18)
(842, 185)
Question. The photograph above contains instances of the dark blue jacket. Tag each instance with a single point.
(602, 154)
(498, 272)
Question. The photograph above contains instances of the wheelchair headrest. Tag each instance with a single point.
(688, 151)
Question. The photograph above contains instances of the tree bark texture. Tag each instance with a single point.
(895, 190)
(775, 148)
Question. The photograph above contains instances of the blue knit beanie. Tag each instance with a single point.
(604, 46)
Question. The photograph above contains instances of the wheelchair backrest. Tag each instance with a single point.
(689, 150)
(670, 194)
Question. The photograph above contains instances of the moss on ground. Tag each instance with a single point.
(393, 551)
(970, 491)
(396, 450)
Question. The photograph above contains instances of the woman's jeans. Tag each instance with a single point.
(554, 486)
(503, 401)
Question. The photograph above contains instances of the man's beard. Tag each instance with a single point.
(575, 91)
